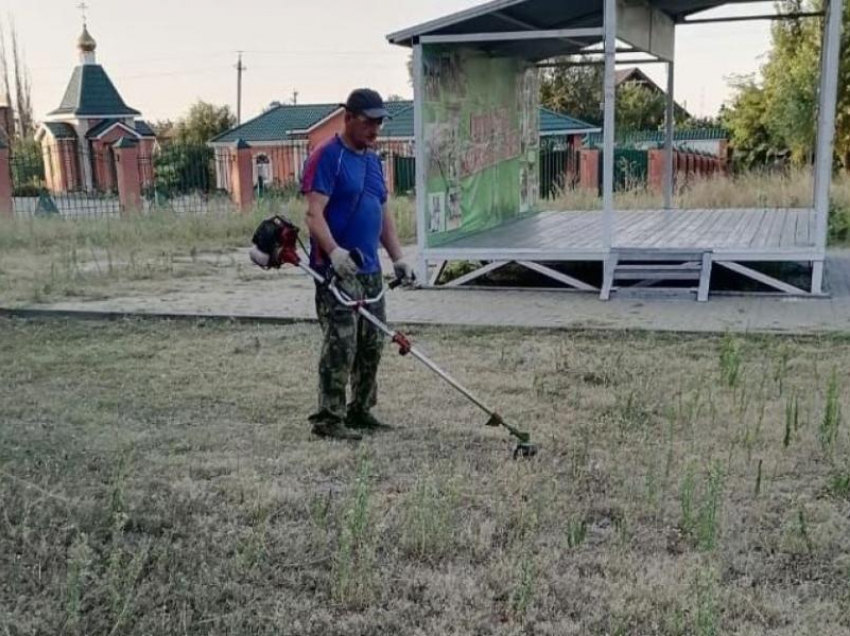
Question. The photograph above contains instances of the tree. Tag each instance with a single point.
(21, 100)
(164, 128)
(778, 115)
(579, 92)
(639, 108)
(576, 90)
(694, 123)
(747, 120)
(23, 87)
(203, 122)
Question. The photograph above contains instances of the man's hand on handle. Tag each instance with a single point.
(344, 265)
(404, 272)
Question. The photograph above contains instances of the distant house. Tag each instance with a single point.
(636, 76)
(77, 138)
(282, 138)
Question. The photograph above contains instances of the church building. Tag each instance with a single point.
(78, 137)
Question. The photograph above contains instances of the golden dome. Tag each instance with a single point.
(86, 42)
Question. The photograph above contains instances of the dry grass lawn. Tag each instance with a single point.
(159, 478)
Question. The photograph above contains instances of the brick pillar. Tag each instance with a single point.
(242, 190)
(6, 208)
(655, 172)
(127, 173)
(589, 178)
(723, 155)
(389, 172)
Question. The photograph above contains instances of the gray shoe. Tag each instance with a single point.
(335, 430)
(364, 421)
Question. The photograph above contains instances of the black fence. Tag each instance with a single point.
(184, 179)
(559, 167)
(72, 182)
(64, 181)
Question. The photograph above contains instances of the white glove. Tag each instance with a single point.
(259, 258)
(343, 264)
(404, 272)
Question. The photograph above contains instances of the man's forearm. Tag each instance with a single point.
(318, 226)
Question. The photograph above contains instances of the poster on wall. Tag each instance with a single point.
(482, 142)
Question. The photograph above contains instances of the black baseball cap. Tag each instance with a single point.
(367, 102)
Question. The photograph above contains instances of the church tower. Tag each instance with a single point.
(78, 136)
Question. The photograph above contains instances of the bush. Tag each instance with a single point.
(27, 190)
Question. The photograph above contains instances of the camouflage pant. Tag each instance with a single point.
(351, 350)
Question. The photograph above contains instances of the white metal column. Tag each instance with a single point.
(669, 127)
(826, 130)
(608, 133)
(421, 168)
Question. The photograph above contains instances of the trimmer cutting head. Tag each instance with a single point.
(525, 450)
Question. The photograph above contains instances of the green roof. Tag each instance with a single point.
(126, 142)
(553, 123)
(144, 129)
(397, 106)
(279, 123)
(657, 136)
(141, 127)
(401, 125)
(60, 130)
(91, 93)
(286, 121)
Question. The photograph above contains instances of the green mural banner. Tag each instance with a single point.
(482, 141)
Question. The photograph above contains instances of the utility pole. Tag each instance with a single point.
(240, 68)
(295, 98)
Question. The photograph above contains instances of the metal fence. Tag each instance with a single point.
(64, 181)
(184, 179)
(631, 168)
(72, 182)
(278, 170)
(399, 161)
(559, 167)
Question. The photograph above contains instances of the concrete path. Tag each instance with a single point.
(246, 292)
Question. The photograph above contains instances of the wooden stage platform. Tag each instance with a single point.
(670, 239)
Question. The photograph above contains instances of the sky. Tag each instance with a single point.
(163, 55)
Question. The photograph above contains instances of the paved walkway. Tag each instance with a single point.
(251, 293)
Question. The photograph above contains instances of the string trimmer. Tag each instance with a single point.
(276, 243)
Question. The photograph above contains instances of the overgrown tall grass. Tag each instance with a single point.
(751, 189)
(43, 258)
(183, 233)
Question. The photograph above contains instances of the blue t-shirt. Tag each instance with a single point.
(354, 184)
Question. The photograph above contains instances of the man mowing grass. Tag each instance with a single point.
(348, 220)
